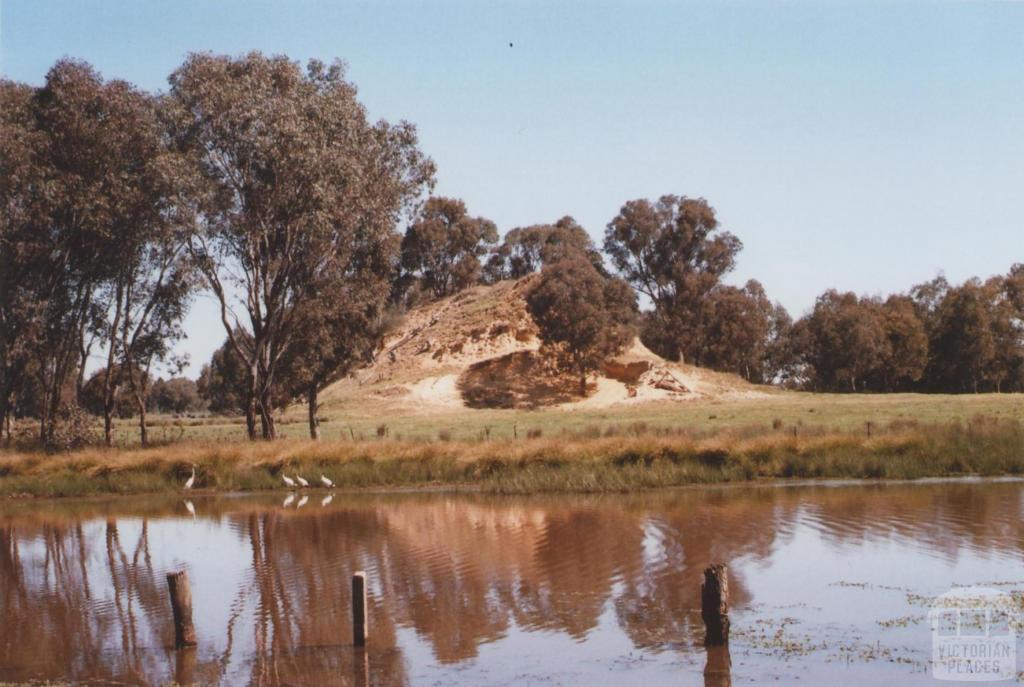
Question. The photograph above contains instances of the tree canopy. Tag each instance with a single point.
(299, 193)
(444, 245)
(584, 317)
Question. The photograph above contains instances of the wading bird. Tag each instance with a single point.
(288, 480)
(327, 483)
(301, 480)
(191, 480)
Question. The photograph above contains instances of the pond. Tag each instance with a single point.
(830, 584)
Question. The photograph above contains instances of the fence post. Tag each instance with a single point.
(359, 608)
(714, 605)
(181, 608)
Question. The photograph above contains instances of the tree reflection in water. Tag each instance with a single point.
(82, 592)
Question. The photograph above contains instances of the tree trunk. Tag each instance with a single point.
(583, 385)
(108, 426)
(254, 402)
(250, 419)
(5, 417)
(52, 411)
(266, 408)
(143, 435)
(313, 406)
(42, 426)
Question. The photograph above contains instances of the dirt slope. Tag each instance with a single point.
(478, 349)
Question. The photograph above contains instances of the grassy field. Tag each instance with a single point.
(790, 435)
(839, 412)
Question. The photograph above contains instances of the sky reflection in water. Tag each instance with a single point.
(829, 583)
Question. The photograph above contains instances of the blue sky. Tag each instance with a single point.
(862, 146)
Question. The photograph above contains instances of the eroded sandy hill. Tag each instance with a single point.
(478, 349)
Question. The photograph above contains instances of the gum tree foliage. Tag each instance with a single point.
(673, 252)
(92, 397)
(338, 331)
(906, 354)
(22, 250)
(443, 247)
(175, 395)
(299, 193)
(152, 279)
(965, 340)
(526, 250)
(87, 187)
(584, 317)
(842, 342)
(862, 344)
(975, 333)
(222, 382)
(745, 333)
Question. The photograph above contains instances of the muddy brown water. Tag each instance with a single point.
(831, 584)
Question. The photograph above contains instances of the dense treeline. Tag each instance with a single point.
(266, 186)
(263, 184)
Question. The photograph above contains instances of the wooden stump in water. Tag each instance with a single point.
(718, 669)
(181, 608)
(185, 666)
(714, 605)
(359, 608)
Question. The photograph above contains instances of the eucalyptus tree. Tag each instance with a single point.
(297, 185)
(745, 333)
(339, 330)
(674, 252)
(444, 245)
(526, 250)
(583, 317)
(82, 190)
(151, 276)
(20, 249)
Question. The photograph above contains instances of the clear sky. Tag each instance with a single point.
(862, 146)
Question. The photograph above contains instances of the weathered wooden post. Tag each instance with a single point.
(718, 669)
(869, 424)
(181, 608)
(359, 608)
(714, 605)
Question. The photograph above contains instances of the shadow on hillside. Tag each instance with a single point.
(517, 380)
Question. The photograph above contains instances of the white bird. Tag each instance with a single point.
(191, 480)
(288, 480)
(288, 500)
(327, 500)
(190, 508)
(302, 502)
(301, 480)
(327, 483)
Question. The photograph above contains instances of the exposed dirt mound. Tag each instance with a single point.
(478, 349)
(516, 380)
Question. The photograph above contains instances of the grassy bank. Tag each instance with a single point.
(591, 460)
